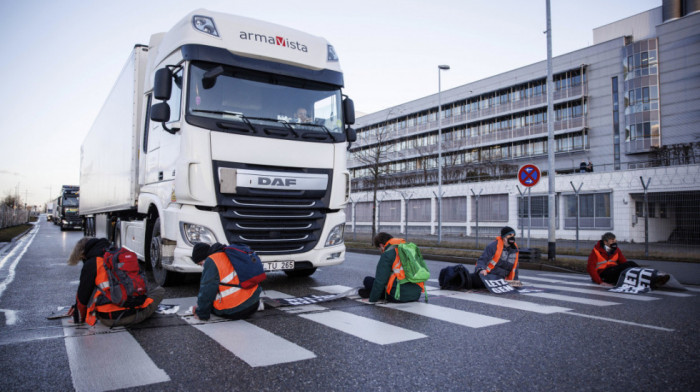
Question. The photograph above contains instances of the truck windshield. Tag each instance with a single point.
(239, 95)
(70, 202)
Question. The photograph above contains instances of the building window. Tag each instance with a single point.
(616, 124)
(595, 211)
(492, 208)
(539, 207)
(390, 211)
(363, 212)
(454, 209)
(419, 210)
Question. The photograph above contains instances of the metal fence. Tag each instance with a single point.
(655, 213)
(12, 217)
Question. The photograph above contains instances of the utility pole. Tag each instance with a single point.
(551, 245)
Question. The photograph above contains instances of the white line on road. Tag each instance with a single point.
(568, 276)
(10, 316)
(252, 344)
(468, 319)
(95, 365)
(501, 301)
(600, 292)
(621, 321)
(362, 327)
(22, 244)
(568, 298)
(548, 280)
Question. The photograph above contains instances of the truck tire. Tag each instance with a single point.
(161, 276)
(300, 273)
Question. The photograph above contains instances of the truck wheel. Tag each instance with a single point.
(161, 276)
(300, 273)
(118, 234)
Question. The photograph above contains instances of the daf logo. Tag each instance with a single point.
(276, 181)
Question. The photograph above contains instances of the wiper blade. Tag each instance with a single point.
(328, 131)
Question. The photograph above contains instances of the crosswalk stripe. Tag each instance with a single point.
(361, 327)
(93, 370)
(603, 293)
(548, 280)
(454, 316)
(567, 298)
(252, 344)
(671, 293)
(503, 302)
(460, 317)
(567, 276)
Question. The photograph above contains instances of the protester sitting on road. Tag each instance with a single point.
(224, 300)
(606, 262)
(382, 285)
(500, 259)
(93, 275)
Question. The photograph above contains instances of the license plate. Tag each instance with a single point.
(278, 265)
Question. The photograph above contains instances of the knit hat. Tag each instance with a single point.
(507, 230)
(200, 252)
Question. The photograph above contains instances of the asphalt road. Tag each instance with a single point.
(571, 335)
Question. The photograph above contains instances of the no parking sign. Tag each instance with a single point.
(529, 175)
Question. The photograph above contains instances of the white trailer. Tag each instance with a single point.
(224, 129)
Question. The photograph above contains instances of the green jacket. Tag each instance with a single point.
(409, 291)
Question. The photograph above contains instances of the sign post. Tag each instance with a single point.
(529, 176)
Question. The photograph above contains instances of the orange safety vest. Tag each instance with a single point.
(497, 257)
(229, 296)
(102, 281)
(396, 267)
(603, 263)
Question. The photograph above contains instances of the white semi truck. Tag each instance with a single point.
(224, 129)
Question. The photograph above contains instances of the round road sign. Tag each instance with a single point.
(529, 175)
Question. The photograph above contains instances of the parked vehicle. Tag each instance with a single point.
(49, 211)
(67, 208)
(202, 140)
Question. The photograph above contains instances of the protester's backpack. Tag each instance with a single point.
(414, 267)
(127, 283)
(247, 265)
(455, 277)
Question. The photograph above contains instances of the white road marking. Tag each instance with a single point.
(362, 327)
(497, 300)
(21, 248)
(467, 319)
(567, 298)
(96, 365)
(603, 293)
(252, 344)
(621, 322)
(567, 276)
(548, 280)
(10, 316)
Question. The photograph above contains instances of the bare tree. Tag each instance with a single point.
(12, 201)
(373, 155)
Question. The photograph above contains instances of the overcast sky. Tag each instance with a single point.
(60, 58)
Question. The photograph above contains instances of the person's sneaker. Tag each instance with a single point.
(659, 280)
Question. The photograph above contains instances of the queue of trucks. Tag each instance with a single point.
(65, 208)
(223, 129)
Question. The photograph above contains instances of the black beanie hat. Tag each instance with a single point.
(507, 230)
(200, 252)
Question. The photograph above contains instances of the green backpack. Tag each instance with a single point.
(414, 267)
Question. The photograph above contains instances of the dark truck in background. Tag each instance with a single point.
(66, 213)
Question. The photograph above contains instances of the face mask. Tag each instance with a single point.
(613, 246)
(511, 241)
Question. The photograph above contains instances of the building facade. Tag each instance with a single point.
(626, 115)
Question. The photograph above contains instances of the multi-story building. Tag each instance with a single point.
(626, 111)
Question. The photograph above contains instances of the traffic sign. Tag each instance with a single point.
(529, 175)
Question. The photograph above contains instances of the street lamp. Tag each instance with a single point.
(440, 68)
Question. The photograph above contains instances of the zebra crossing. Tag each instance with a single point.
(258, 347)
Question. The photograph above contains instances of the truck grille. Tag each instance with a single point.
(271, 221)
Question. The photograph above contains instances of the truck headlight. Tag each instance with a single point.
(195, 233)
(336, 235)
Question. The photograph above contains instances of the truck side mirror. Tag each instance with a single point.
(163, 84)
(209, 78)
(350, 135)
(160, 112)
(348, 111)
